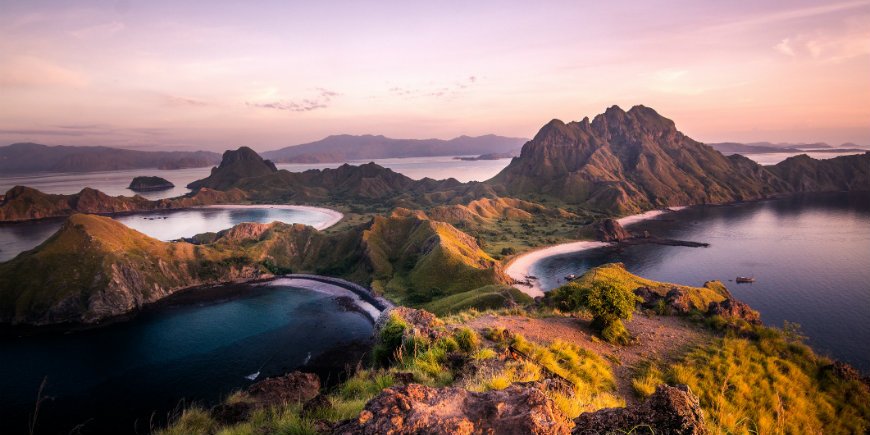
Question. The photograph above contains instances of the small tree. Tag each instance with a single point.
(608, 304)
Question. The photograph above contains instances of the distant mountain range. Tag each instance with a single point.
(23, 158)
(341, 148)
(768, 147)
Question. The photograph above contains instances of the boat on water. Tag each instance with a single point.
(570, 277)
(745, 279)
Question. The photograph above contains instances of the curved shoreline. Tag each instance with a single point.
(523, 265)
(335, 216)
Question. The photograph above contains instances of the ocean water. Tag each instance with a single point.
(118, 378)
(115, 182)
(163, 225)
(810, 255)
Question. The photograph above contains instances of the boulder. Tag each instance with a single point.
(670, 410)
(418, 409)
(609, 230)
(293, 387)
(733, 309)
(421, 322)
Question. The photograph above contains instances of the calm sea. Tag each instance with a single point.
(118, 378)
(810, 256)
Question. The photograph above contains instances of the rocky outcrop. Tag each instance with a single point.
(295, 387)
(417, 409)
(670, 410)
(733, 309)
(421, 323)
(147, 184)
(235, 165)
(675, 301)
(609, 230)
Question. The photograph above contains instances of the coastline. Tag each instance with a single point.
(335, 216)
(523, 265)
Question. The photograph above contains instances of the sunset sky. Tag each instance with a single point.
(214, 75)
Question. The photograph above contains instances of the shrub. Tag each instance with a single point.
(607, 303)
(467, 339)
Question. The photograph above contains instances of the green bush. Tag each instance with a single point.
(608, 304)
(467, 339)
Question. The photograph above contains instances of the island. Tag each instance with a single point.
(148, 184)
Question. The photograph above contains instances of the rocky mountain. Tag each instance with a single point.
(23, 158)
(95, 268)
(369, 183)
(805, 174)
(629, 161)
(235, 165)
(345, 147)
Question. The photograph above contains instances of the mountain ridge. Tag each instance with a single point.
(343, 147)
(28, 157)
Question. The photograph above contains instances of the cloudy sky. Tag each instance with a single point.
(217, 74)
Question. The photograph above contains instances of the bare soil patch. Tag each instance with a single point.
(661, 338)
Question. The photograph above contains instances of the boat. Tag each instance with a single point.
(745, 279)
(570, 277)
(253, 376)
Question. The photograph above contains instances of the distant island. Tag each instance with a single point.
(489, 156)
(768, 147)
(25, 158)
(341, 148)
(146, 184)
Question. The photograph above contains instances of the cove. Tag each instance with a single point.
(124, 377)
(171, 224)
(808, 253)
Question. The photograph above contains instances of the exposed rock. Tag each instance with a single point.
(146, 184)
(421, 322)
(232, 413)
(235, 165)
(293, 387)
(416, 409)
(670, 410)
(609, 230)
(675, 300)
(733, 309)
(319, 402)
(847, 373)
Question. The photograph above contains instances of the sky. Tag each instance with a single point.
(220, 74)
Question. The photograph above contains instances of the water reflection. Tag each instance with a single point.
(809, 255)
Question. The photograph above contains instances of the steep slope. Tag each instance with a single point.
(24, 203)
(235, 164)
(95, 268)
(805, 174)
(628, 161)
(348, 147)
(92, 268)
(22, 158)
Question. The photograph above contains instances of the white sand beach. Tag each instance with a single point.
(524, 265)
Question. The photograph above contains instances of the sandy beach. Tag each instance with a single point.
(327, 288)
(524, 265)
(334, 215)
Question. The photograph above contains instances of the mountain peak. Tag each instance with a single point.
(235, 165)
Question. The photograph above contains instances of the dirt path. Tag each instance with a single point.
(663, 338)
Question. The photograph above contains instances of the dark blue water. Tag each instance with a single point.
(113, 379)
(809, 254)
(163, 225)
